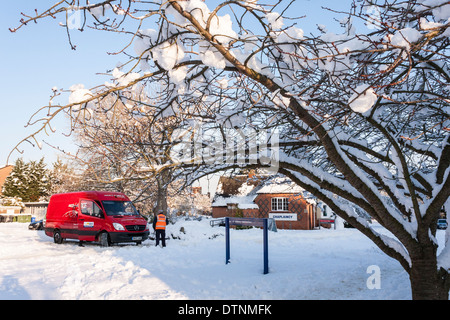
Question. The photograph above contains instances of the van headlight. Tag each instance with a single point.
(118, 226)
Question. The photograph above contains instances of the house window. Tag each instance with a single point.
(280, 204)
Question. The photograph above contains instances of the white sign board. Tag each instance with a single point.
(283, 216)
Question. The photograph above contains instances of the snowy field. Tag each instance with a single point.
(319, 264)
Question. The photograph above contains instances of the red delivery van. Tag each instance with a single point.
(106, 217)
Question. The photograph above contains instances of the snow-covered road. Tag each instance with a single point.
(319, 264)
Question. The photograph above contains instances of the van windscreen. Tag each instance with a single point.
(122, 208)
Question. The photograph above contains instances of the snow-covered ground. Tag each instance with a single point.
(319, 264)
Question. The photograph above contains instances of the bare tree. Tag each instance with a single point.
(361, 115)
(125, 143)
(65, 177)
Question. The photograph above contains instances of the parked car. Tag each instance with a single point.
(36, 225)
(442, 224)
(105, 217)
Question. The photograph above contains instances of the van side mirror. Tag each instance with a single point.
(73, 206)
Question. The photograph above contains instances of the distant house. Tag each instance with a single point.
(267, 197)
(7, 212)
(4, 173)
(36, 209)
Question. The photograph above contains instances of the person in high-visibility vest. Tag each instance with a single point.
(159, 225)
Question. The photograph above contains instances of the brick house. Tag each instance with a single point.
(267, 197)
(4, 173)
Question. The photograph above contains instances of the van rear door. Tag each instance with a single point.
(91, 220)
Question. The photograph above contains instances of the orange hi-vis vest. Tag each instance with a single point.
(161, 222)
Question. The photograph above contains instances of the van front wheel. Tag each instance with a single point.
(57, 238)
(103, 238)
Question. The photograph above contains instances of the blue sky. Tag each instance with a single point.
(38, 57)
(34, 60)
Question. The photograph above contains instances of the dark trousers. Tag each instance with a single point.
(161, 234)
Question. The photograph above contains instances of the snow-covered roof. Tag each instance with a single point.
(238, 190)
(240, 185)
(242, 190)
(243, 202)
(280, 185)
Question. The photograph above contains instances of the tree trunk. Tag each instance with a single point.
(163, 180)
(427, 283)
(161, 198)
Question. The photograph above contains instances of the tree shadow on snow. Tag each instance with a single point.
(10, 289)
